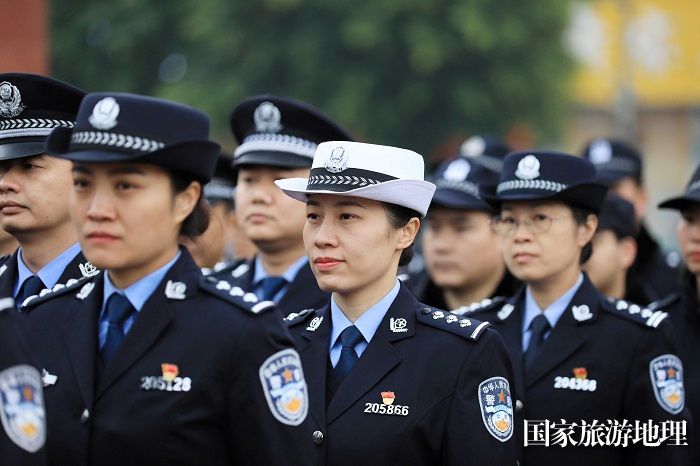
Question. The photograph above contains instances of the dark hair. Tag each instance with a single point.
(398, 217)
(581, 217)
(197, 221)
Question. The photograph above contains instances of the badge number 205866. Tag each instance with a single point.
(380, 408)
(178, 384)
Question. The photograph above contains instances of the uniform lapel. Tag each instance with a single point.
(79, 334)
(302, 291)
(567, 335)
(152, 321)
(379, 357)
(9, 275)
(314, 353)
(77, 268)
(509, 322)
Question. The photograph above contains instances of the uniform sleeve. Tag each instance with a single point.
(655, 398)
(480, 427)
(268, 402)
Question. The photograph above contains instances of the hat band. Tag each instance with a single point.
(214, 190)
(352, 178)
(620, 165)
(492, 163)
(270, 142)
(542, 185)
(466, 187)
(29, 127)
(93, 139)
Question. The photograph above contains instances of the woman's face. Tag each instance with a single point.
(546, 240)
(688, 232)
(460, 247)
(351, 244)
(127, 215)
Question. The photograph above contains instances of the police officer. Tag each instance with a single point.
(683, 307)
(34, 187)
(151, 362)
(578, 356)
(277, 139)
(461, 249)
(391, 380)
(614, 251)
(23, 433)
(619, 166)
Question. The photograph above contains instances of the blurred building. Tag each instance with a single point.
(639, 79)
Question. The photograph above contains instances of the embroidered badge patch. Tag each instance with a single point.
(666, 373)
(496, 407)
(285, 389)
(22, 407)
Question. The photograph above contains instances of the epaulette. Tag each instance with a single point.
(467, 327)
(239, 268)
(85, 284)
(483, 305)
(296, 318)
(234, 294)
(666, 302)
(644, 316)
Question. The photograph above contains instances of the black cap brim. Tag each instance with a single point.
(587, 195)
(680, 203)
(16, 150)
(273, 159)
(454, 199)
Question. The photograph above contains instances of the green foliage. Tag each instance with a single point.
(404, 72)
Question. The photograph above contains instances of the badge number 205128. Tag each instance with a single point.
(178, 384)
(380, 408)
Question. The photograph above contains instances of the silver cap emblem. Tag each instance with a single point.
(528, 168)
(10, 100)
(267, 118)
(337, 161)
(104, 115)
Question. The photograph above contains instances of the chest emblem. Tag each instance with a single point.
(579, 382)
(387, 406)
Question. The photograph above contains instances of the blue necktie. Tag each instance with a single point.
(31, 286)
(118, 310)
(271, 286)
(349, 338)
(538, 328)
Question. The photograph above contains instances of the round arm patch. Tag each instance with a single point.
(666, 373)
(284, 386)
(496, 407)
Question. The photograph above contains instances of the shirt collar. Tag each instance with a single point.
(138, 292)
(289, 274)
(368, 322)
(51, 272)
(554, 311)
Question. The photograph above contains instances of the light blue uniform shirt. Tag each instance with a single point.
(367, 324)
(50, 273)
(137, 293)
(288, 275)
(552, 313)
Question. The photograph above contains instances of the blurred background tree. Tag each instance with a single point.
(413, 73)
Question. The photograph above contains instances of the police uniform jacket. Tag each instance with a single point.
(429, 365)
(302, 293)
(215, 339)
(684, 313)
(594, 365)
(650, 270)
(18, 448)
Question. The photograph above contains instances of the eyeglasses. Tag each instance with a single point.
(537, 224)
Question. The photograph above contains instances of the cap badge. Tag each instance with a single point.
(473, 147)
(457, 170)
(268, 118)
(10, 100)
(337, 161)
(528, 168)
(600, 152)
(104, 115)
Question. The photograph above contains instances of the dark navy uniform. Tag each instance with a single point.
(302, 293)
(415, 395)
(595, 365)
(213, 337)
(23, 433)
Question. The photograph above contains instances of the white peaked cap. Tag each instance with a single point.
(382, 173)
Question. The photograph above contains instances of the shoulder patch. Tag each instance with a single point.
(295, 318)
(479, 306)
(84, 286)
(644, 316)
(466, 327)
(234, 294)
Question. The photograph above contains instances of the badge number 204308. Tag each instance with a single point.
(380, 408)
(178, 384)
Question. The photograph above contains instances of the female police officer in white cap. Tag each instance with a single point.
(578, 356)
(150, 362)
(391, 380)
